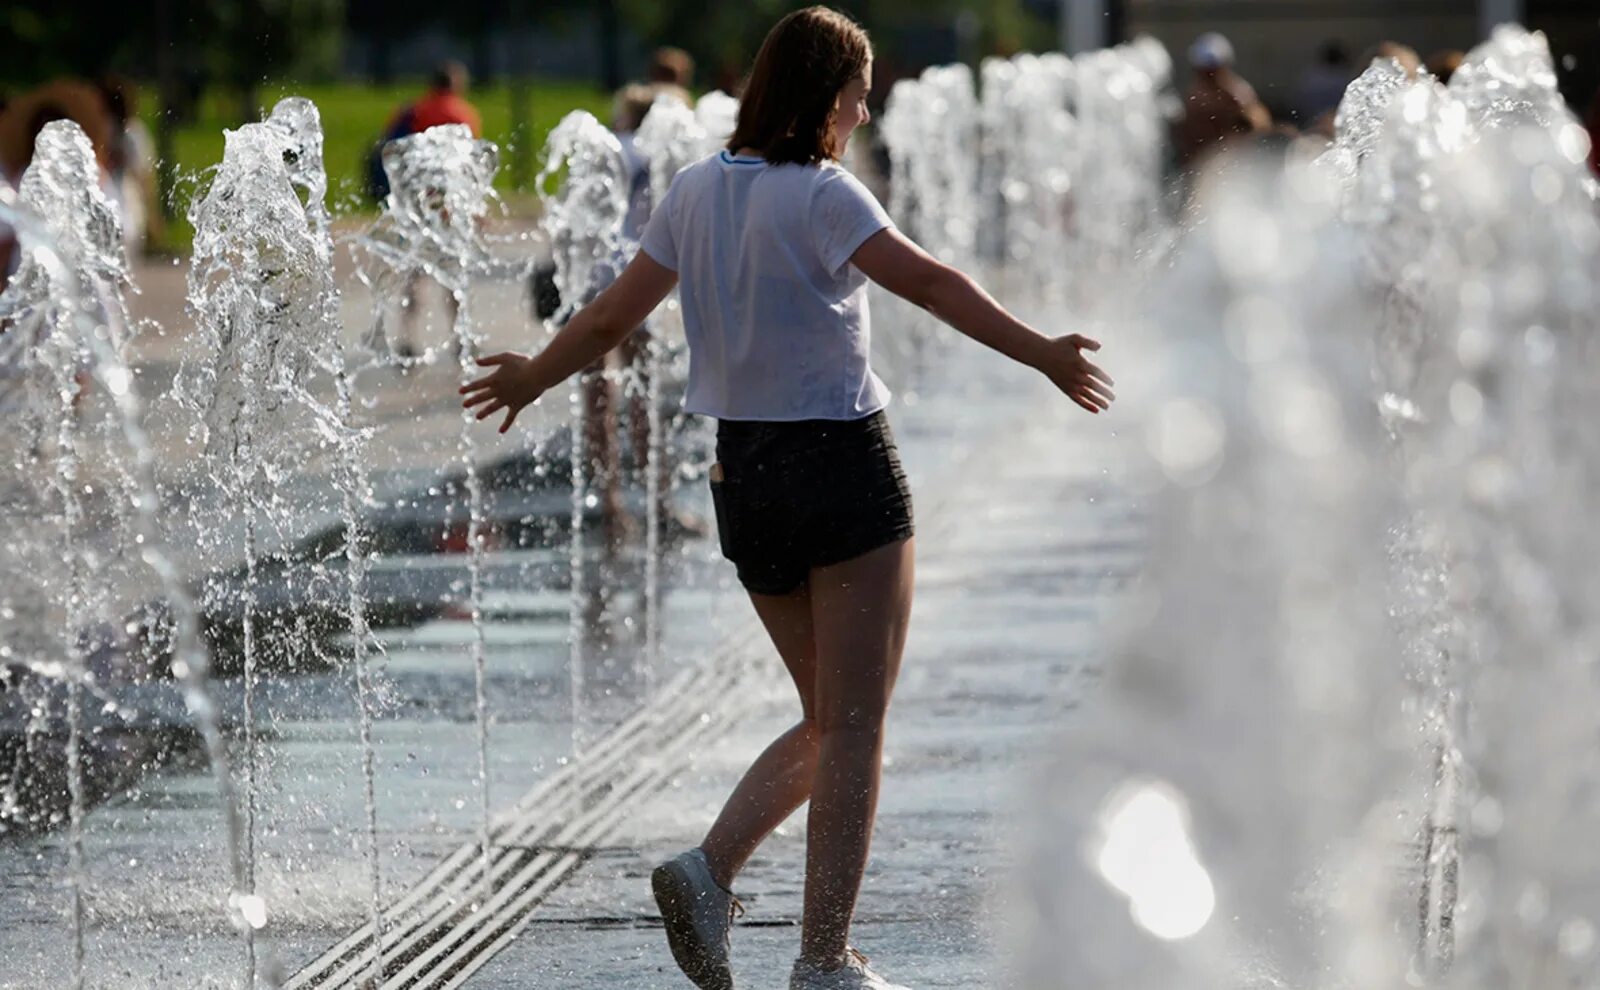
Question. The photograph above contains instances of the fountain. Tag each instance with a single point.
(267, 338)
(1367, 605)
(930, 128)
(1480, 351)
(1248, 737)
(441, 190)
(1051, 175)
(63, 612)
(671, 137)
(1365, 453)
(583, 219)
(1028, 151)
(1117, 200)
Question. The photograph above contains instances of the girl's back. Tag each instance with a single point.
(775, 315)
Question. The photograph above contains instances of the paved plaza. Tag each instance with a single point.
(1025, 542)
(1018, 565)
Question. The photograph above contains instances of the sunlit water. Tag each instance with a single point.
(1347, 737)
(441, 192)
(1048, 180)
(265, 353)
(75, 542)
(1354, 711)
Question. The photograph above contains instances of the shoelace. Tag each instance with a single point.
(735, 910)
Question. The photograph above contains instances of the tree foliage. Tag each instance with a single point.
(228, 40)
(724, 37)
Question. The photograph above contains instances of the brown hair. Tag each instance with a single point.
(671, 65)
(788, 107)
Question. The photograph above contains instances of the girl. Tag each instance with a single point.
(771, 244)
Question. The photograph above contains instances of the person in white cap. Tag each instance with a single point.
(1220, 106)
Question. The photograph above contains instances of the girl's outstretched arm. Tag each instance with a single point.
(897, 264)
(597, 328)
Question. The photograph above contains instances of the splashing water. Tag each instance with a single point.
(1511, 78)
(583, 218)
(1358, 123)
(441, 191)
(1027, 160)
(930, 125)
(1247, 717)
(671, 137)
(718, 114)
(1117, 199)
(262, 292)
(1052, 174)
(64, 324)
(47, 354)
(583, 212)
(1490, 337)
(1370, 461)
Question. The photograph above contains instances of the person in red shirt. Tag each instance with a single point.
(444, 102)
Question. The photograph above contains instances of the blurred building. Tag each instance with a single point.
(1276, 39)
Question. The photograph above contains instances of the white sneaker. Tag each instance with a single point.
(698, 915)
(853, 975)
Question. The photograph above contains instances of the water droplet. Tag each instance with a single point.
(1576, 938)
(252, 909)
(1145, 852)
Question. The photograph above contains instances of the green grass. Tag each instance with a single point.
(354, 115)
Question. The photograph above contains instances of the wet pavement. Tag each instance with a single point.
(1023, 541)
(1018, 567)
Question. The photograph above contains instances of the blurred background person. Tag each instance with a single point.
(612, 409)
(20, 124)
(1321, 88)
(672, 67)
(1220, 106)
(1404, 54)
(602, 439)
(445, 102)
(1594, 133)
(131, 165)
(1443, 64)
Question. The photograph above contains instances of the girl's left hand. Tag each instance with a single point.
(1080, 379)
(510, 387)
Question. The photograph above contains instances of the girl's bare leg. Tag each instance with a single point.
(779, 781)
(860, 610)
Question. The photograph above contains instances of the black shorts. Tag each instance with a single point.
(806, 494)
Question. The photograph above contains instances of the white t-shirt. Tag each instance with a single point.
(776, 317)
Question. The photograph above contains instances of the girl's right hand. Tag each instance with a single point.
(510, 387)
(1079, 378)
